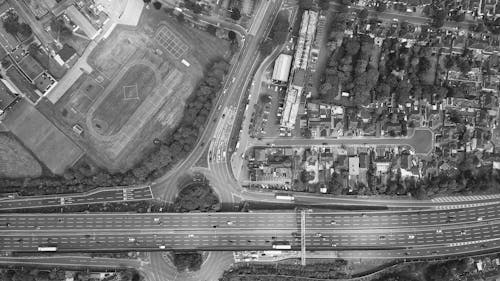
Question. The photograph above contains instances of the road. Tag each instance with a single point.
(96, 196)
(408, 233)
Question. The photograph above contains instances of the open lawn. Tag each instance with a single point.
(138, 88)
(31, 67)
(15, 160)
(24, 86)
(38, 134)
(121, 102)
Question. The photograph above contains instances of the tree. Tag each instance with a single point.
(424, 64)
(211, 29)
(305, 4)
(324, 4)
(147, 1)
(25, 29)
(180, 17)
(363, 14)
(157, 5)
(231, 35)
(449, 62)
(380, 6)
(11, 22)
(266, 48)
(235, 14)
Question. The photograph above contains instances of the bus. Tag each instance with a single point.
(47, 248)
(282, 245)
(284, 196)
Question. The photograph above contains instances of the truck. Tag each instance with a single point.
(284, 196)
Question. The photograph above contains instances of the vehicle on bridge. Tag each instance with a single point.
(282, 245)
(47, 248)
(284, 196)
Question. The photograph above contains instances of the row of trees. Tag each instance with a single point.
(26, 273)
(253, 271)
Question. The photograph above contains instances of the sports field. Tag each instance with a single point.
(138, 87)
(39, 135)
(15, 160)
(122, 100)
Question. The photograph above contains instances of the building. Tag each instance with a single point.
(65, 54)
(300, 61)
(282, 67)
(353, 166)
(82, 22)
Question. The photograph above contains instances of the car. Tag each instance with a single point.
(463, 232)
(381, 237)
(131, 239)
(229, 222)
(190, 235)
(439, 230)
(334, 245)
(156, 219)
(411, 236)
(333, 222)
(162, 247)
(479, 218)
(318, 234)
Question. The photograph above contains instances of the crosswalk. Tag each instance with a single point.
(465, 198)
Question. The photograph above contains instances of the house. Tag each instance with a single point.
(364, 160)
(65, 54)
(406, 161)
(354, 166)
(382, 167)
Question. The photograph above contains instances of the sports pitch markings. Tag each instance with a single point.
(171, 42)
(130, 92)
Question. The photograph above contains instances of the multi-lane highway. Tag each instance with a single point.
(97, 196)
(408, 233)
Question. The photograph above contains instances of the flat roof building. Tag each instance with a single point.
(282, 67)
(354, 166)
(79, 19)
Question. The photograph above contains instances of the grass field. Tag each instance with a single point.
(39, 135)
(122, 101)
(23, 84)
(138, 87)
(15, 160)
(31, 67)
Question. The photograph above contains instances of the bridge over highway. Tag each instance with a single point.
(404, 233)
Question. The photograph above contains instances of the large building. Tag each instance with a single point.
(301, 57)
(281, 69)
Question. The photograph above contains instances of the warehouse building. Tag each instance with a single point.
(281, 69)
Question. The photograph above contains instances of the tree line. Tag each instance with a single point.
(26, 273)
(336, 269)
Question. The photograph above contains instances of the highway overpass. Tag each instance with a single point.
(404, 233)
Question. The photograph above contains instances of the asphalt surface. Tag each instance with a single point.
(408, 233)
(97, 196)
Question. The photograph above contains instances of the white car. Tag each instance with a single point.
(162, 247)
(131, 239)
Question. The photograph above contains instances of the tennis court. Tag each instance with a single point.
(171, 42)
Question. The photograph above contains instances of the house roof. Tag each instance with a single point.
(66, 52)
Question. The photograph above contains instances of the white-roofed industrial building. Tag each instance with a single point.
(282, 67)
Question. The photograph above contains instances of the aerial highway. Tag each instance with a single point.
(408, 233)
(100, 195)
